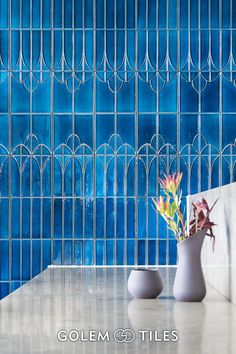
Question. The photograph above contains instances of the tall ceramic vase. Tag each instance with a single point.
(189, 284)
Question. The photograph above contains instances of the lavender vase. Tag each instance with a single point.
(189, 284)
(145, 283)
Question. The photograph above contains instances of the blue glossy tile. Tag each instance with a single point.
(141, 252)
(152, 11)
(26, 260)
(36, 260)
(146, 128)
(188, 98)
(15, 260)
(119, 187)
(183, 12)
(15, 224)
(84, 128)
(120, 218)
(46, 178)
(57, 16)
(68, 13)
(67, 252)
(188, 128)
(226, 14)
(168, 97)
(88, 9)
(15, 10)
(104, 128)
(88, 180)
(130, 252)
(126, 128)
(57, 252)
(63, 128)
(142, 218)
(104, 98)
(228, 129)
(110, 218)
(99, 252)
(68, 177)
(20, 128)
(4, 97)
(100, 13)
(84, 98)
(162, 13)
(210, 97)
(15, 183)
(100, 217)
(110, 177)
(168, 128)
(4, 289)
(78, 214)
(26, 214)
(162, 252)
(25, 13)
(78, 13)
(146, 98)
(89, 218)
(173, 13)
(141, 10)
(15, 285)
(68, 209)
(41, 128)
(4, 13)
(131, 218)
(42, 98)
(152, 252)
(210, 129)
(88, 253)
(120, 252)
(4, 187)
(172, 252)
(62, 98)
(46, 253)
(193, 13)
(78, 255)
(58, 218)
(110, 252)
(215, 14)
(46, 218)
(36, 220)
(131, 14)
(126, 97)
(4, 123)
(22, 105)
(4, 260)
(228, 97)
(233, 14)
(36, 14)
(152, 220)
(46, 13)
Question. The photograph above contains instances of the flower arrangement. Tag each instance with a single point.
(169, 207)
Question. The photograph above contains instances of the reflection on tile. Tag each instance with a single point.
(97, 299)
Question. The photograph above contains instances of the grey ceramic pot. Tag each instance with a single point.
(189, 284)
(145, 283)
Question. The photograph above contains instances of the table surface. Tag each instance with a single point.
(93, 302)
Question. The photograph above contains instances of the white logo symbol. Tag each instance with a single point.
(124, 335)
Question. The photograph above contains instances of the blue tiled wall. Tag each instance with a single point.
(97, 99)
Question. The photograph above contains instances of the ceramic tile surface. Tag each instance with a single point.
(85, 299)
(98, 99)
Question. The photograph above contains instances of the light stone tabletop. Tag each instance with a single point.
(89, 305)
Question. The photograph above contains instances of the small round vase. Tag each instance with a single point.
(145, 283)
(189, 284)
